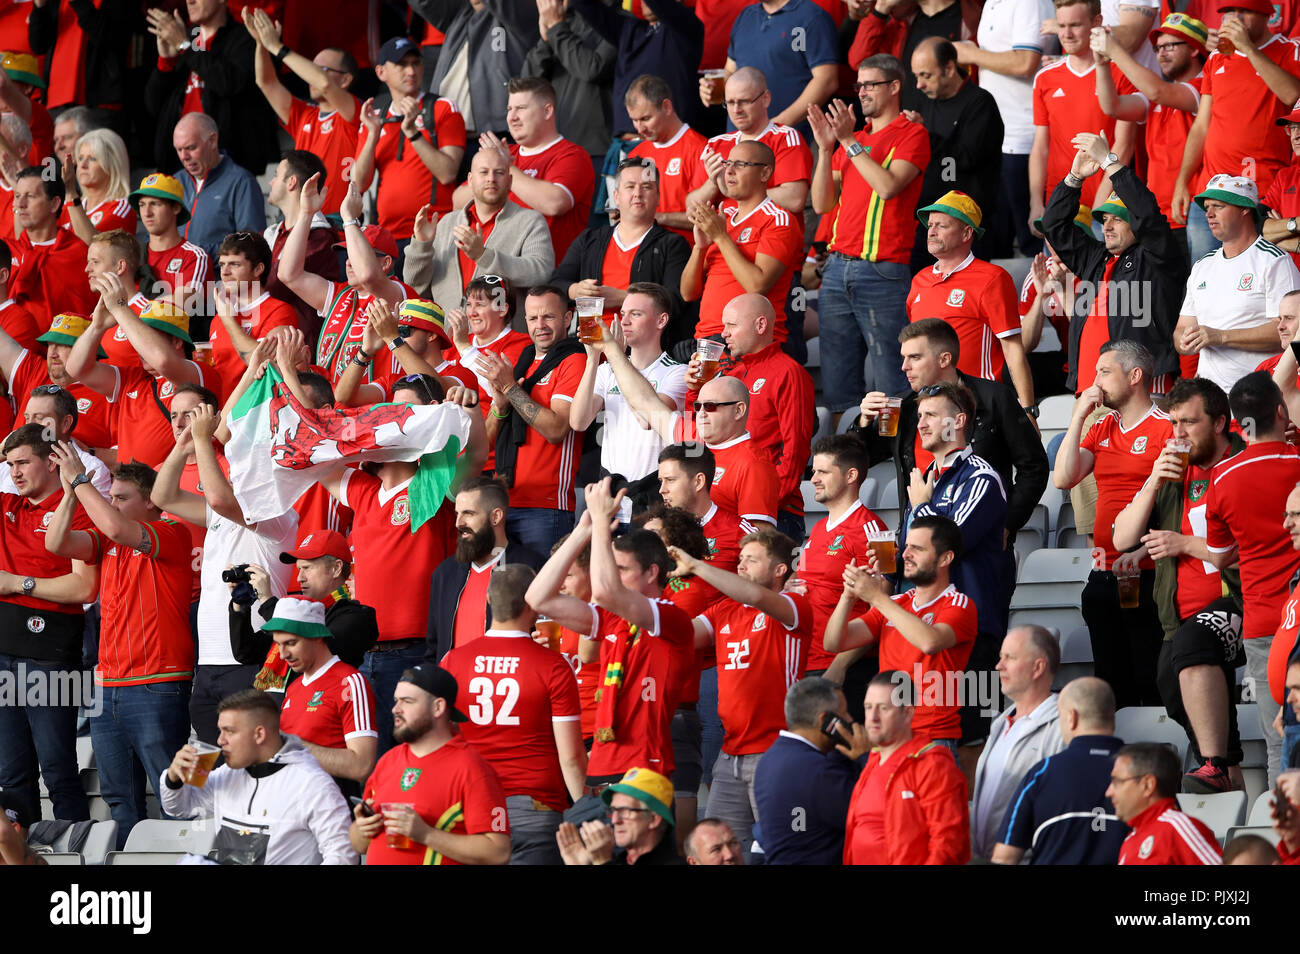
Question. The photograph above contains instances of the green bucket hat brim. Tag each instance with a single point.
(607, 796)
(182, 216)
(296, 626)
(22, 76)
(167, 329)
(957, 214)
(1113, 209)
(1228, 198)
(54, 337)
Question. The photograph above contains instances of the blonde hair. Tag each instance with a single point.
(110, 152)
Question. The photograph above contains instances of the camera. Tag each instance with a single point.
(236, 574)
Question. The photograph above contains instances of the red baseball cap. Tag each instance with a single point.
(319, 543)
(380, 239)
(1291, 118)
(1262, 7)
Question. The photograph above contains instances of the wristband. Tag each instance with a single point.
(498, 415)
(415, 136)
(1073, 181)
(282, 53)
(361, 359)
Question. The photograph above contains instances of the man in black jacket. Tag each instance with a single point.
(1002, 433)
(458, 605)
(324, 564)
(597, 265)
(1138, 274)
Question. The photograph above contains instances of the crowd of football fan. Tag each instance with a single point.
(608, 238)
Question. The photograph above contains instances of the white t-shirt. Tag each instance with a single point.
(1145, 52)
(1239, 292)
(100, 478)
(230, 544)
(1013, 25)
(627, 447)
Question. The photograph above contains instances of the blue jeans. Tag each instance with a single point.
(862, 307)
(538, 528)
(40, 740)
(136, 737)
(710, 724)
(1200, 240)
(384, 670)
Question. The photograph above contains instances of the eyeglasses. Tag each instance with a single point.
(46, 389)
(711, 407)
(870, 84)
(741, 164)
(1169, 46)
(1116, 779)
(739, 103)
(330, 69)
(615, 812)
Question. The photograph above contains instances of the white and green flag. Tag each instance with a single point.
(278, 448)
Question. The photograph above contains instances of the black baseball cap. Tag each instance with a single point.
(13, 808)
(436, 681)
(395, 49)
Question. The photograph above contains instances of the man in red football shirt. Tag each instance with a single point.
(675, 148)
(1246, 494)
(118, 252)
(862, 303)
(644, 642)
(432, 800)
(15, 320)
(747, 244)
(547, 172)
(757, 663)
(48, 274)
(976, 297)
(686, 473)
(1283, 197)
(926, 632)
(524, 718)
(180, 268)
(146, 652)
(1120, 449)
(1143, 783)
(329, 705)
(537, 452)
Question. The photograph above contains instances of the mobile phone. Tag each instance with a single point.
(831, 726)
(358, 802)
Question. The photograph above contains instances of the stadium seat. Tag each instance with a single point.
(814, 346)
(99, 810)
(144, 857)
(1052, 501)
(890, 516)
(1039, 521)
(823, 424)
(845, 422)
(1221, 811)
(1056, 566)
(192, 835)
(1248, 721)
(62, 858)
(884, 471)
(889, 494)
(867, 493)
(1256, 782)
(810, 502)
(1028, 541)
(85, 753)
(1264, 831)
(1052, 443)
(1017, 268)
(1063, 619)
(1054, 412)
(1076, 657)
(1071, 539)
(1260, 810)
(90, 781)
(102, 838)
(1254, 752)
(1059, 593)
(1150, 724)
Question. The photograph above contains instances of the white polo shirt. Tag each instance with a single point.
(627, 447)
(1013, 25)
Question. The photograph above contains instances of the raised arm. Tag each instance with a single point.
(640, 394)
(1073, 462)
(544, 594)
(167, 494)
(292, 269)
(217, 490)
(152, 345)
(83, 363)
(370, 277)
(607, 590)
(109, 520)
(825, 182)
(776, 605)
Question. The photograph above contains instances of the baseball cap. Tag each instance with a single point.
(423, 314)
(319, 543)
(1115, 206)
(14, 809)
(65, 329)
(436, 681)
(165, 316)
(394, 50)
(1291, 118)
(1082, 218)
(1185, 28)
(300, 617)
(1232, 190)
(957, 204)
(645, 786)
(160, 186)
(23, 68)
(380, 239)
(1262, 7)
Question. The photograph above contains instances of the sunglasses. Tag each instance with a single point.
(417, 381)
(404, 331)
(711, 407)
(930, 390)
(46, 389)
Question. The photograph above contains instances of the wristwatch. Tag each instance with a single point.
(28, 585)
(184, 46)
(79, 480)
(1292, 226)
(1032, 411)
(1111, 159)
(856, 149)
(396, 343)
(356, 222)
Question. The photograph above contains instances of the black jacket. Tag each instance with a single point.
(1147, 283)
(965, 145)
(1003, 435)
(246, 127)
(107, 29)
(352, 624)
(448, 583)
(661, 258)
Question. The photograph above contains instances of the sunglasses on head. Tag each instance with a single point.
(46, 389)
(417, 382)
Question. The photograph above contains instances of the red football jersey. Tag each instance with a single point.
(568, 166)
(1066, 102)
(1166, 139)
(1283, 645)
(1122, 463)
(318, 509)
(22, 545)
(758, 661)
(724, 530)
(262, 315)
(588, 677)
(546, 473)
(692, 596)
(345, 320)
(825, 554)
(744, 481)
(143, 405)
(1283, 197)
(646, 699)
(1163, 835)
(405, 182)
(937, 672)
(19, 323)
(453, 789)
(332, 138)
(329, 707)
(105, 217)
(680, 168)
(50, 277)
(513, 691)
(1199, 584)
(867, 226)
(1244, 508)
(117, 345)
(145, 608)
(978, 299)
(767, 229)
(392, 566)
(96, 418)
(182, 266)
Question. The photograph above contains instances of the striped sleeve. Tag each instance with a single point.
(358, 709)
(1192, 846)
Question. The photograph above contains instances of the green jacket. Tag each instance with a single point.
(1167, 514)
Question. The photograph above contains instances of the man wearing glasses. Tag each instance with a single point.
(872, 181)
(1143, 784)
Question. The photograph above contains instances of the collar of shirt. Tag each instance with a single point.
(496, 555)
(308, 680)
(508, 634)
(471, 215)
(951, 459)
(762, 355)
(538, 150)
(1152, 813)
(970, 257)
(798, 738)
(731, 443)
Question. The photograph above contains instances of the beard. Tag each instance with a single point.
(921, 577)
(413, 730)
(476, 547)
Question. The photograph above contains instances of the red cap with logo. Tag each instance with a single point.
(380, 239)
(319, 543)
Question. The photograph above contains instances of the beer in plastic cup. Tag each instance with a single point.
(1183, 448)
(400, 842)
(885, 547)
(889, 414)
(1130, 582)
(198, 776)
(590, 329)
(717, 84)
(550, 628)
(710, 353)
(203, 352)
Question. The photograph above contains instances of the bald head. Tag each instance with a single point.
(1087, 707)
(934, 64)
(747, 81)
(729, 421)
(195, 142)
(748, 324)
(747, 100)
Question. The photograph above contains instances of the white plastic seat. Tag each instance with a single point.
(1056, 565)
(888, 494)
(100, 841)
(62, 858)
(1061, 618)
(1150, 724)
(1254, 753)
(1248, 721)
(814, 346)
(151, 858)
(1046, 594)
(888, 515)
(1221, 811)
(1054, 412)
(810, 502)
(194, 835)
(823, 424)
(1068, 538)
(1264, 831)
(867, 493)
(1261, 810)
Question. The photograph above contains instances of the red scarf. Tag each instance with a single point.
(274, 674)
(615, 671)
